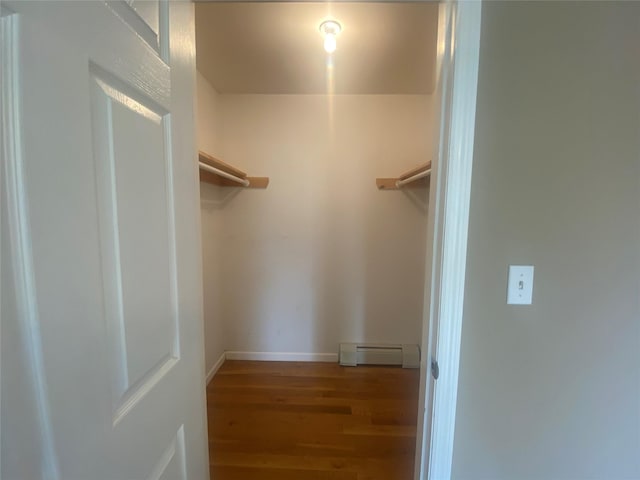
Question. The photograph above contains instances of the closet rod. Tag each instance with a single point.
(217, 171)
(415, 177)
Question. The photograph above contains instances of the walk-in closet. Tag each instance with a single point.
(315, 129)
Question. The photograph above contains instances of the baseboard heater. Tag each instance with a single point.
(353, 354)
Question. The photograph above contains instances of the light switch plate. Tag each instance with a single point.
(520, 285)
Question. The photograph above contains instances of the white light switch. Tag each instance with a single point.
(520, 285)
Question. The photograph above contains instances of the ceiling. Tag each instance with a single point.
(276, 48)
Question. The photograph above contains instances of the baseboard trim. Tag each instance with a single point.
(216, 367)
(271, 357)
(283, 356)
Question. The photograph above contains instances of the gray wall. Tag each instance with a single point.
(552, 390)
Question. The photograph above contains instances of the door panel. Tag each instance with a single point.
(149, 11)
(171, 466)
(136, 238)
(146, 18)
(110, 180)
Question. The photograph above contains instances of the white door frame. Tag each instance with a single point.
(458, 58)
(457, 73)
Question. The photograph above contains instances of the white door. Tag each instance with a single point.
(457, 72)
(100, 182)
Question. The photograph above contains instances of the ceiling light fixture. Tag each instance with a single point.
(330, 29)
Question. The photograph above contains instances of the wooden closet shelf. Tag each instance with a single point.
(219, 173)
(416, 177)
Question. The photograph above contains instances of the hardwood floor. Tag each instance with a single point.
(311, 421)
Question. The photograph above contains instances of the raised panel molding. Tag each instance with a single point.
(149, 19)
(131, 146)
(172, 464)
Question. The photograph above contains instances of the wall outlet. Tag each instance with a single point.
(520, 285)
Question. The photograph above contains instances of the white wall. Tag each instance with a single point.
(552, 390)
(321, 256)
(208, 125)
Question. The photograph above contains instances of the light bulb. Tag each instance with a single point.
(330, 43)
(330, 29)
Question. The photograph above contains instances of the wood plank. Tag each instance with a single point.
(219, 164)
(302, 420)
(282, 407)
(419, 183)
(254, 182)
(214, 179)
(386, 183)
(258, 182)
(251, 473)
(390, 183)
(210, 177)
(319, 444)
(415, 171)
(396, 468)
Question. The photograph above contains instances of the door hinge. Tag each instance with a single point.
(435, 369)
